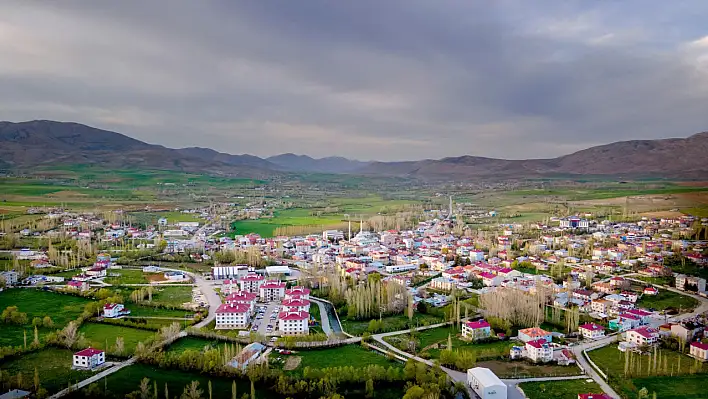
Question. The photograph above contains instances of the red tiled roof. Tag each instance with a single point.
(110, 305)
(298, 291)
(295, 302)
(273, 284)
(537, 343)
(700, 345)
(241, 296)
(233, 308)
(592, 327)
(477, 324)
(88, 352)
(486, 275)
(294, 315)
(645, 332)
(252, 277)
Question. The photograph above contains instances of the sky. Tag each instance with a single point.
(364, 79)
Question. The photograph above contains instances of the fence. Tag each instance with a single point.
(599, 371)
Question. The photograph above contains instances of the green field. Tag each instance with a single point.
(667, 299)
(348, 355)
(151, 218)
(146, 311)
(53, 366)
(61, 308)
(193, 343)
(677, 387)
(568, 389)
(99, 334)
(289, 217)
(126, 276)
(608, 190)
(611, 361)
(391, 323)
(127, 380)
(174, 296)
(429, 338)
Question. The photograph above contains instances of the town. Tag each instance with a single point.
(501, 311)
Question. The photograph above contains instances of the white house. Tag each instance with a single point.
(642, 336)
(539, 351)
(293, 323)
(592, 331)
(533, 334)
(476, 330)
(298, 292)
(243, 298)
(111, 310)
(10, 277)
(272, 290)
(489, 279)
(400, 268)
(233, 315)
(89, 358)
(485, 383)
(699, 350)
(251, 282)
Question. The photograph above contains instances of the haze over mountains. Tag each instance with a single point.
(30, 144)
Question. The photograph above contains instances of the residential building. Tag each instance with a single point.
(272, 290)
(592, 331)
(699, 350)
(642, 336)
(293, 323)
(10, 277)
(112, 310)
(242, 298)
(651, 291)
(601, 306)
(296, 305)
(687, 331)
(400, 268)
(534, 334)
(690, 283)
(539, 351)
(251, 283)
(89, 359)
(443, 284)
(476, 330)
(233, 315)
(298, 291)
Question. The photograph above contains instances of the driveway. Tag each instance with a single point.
(263, 323)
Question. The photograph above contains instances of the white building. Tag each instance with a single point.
(332, 235)
(89, 359)
(485, 383)
(10, 277)
(293, 323)
(272, 290)
(699, 350)
(539, 351)
(475, 330)
(442, 284)
(642, 336)
(243, 298)
(298, 292)
(683, 280)
(400, 268)
(533, 334)
(234, 315)
(592, 331)
(224, 272)
(278, 270)
(296, 305)
(251, 283)
(111, 310)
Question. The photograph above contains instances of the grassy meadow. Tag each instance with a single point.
(568, 389)
(100, 335)
(53, 366)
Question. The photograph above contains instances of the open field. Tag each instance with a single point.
(348, 355)
(61, 308)
(525, 369)
(611, 361)
(559, 389)
(151, 218)
(677, 387)
(126, 276)
(289, 217)
(147, 311)
(128, 379)
(390, 323)
(193, 343)
(53, 366)
(430, 338)
(667, 299)
(174, 296)
(99, 334)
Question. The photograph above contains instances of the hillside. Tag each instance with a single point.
(26, 145)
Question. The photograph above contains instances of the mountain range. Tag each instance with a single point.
(25, 145)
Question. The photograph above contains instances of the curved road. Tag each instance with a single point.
(207, 289)
(323, 316)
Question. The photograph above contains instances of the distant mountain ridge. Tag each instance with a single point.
(25, 145)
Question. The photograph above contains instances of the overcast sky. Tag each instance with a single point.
(366, 79)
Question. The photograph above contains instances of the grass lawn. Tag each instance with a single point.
(52, 364)
(611, 361)
(524, 369)
(36, 303)
(348, 355)
(128, 380)
(98, 334)
(194, 343)
(391, 323)
(147, 311)
(173, 296)
(568, 389)
(682, 387)
(126, 276)
(667, 299)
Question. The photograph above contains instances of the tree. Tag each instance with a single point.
(36, 322)
(369, 388)
(414, 392)
(192, 391)
(120, 346)
(36, 380)
(167, 392)
(233, 390)
(36, 337)
(209, 388)
(253, 391)
(47, 322)
(145, 388)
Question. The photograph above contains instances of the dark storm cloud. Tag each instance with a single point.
(367, 79)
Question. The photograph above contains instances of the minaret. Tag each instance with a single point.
(349, 237)
(449, 215)
(361, 225)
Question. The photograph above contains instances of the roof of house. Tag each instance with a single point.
(534, 332)
(241, 296)
(252, 277)
(538, 343)
(700, 345)
(295, 302)
(273, 284)
(233, 308)
(298, 291)
(88, 352)
(646, 332)
(477, 324)
(110, 305)
(592, 327)
(486, 275)
(301, 315)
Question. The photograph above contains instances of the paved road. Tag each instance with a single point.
(210, 294)
(589, 370)
(94, 378)
(323, 316)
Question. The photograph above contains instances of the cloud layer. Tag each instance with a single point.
(366, 79)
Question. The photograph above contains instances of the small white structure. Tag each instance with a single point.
(224, 272)
(400, 268)
(233, 315)
(176, 276)
(485, 383)
(112, 310)
(277, 270)
(9, 277)
(89, 358)
(272, 291)
(293, 323)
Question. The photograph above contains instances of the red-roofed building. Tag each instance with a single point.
(242, 298)
(77, 285)
(539, 351)
(111, 310)
(293, 323)
(651, 291)
(534, 334)
(643, 336)
(699, 350)
(296, 305)
(272, 290)
(475, 330)
(592, 331)
(233, 315)
(300, 292)
(489, 279)
(251, 282)
(88, 359)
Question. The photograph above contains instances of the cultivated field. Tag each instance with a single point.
(559, 389)
(103, 336)
(53, 367)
